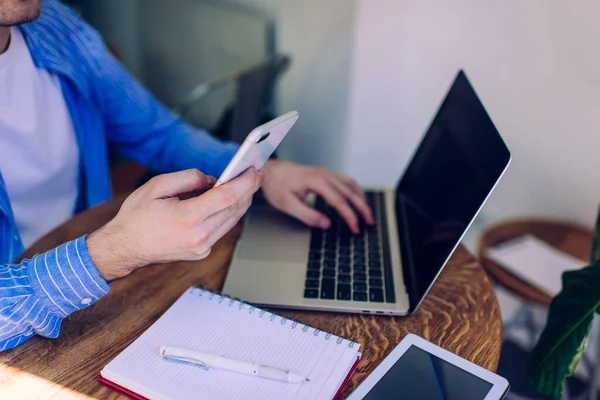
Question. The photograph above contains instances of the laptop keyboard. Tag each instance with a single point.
(347, 266)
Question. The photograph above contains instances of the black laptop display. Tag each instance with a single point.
(451, 174)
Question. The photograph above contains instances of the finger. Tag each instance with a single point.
(219, 225)
(169, 185)
(325, 189)
(295, 207)
(196, 193)
(352, 184)
(226, 197)
(357, 201)
(211, 181)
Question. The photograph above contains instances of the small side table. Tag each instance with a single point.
(565, 236)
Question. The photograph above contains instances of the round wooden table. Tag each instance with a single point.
(565, 236)
(460, 314)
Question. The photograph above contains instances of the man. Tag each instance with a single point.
(62, 98)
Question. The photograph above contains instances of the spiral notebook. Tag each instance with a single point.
(213, 323)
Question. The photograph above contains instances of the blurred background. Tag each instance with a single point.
(367, 77)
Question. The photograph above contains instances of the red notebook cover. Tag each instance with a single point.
(135, 396)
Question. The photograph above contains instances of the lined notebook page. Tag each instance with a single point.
(215, 324)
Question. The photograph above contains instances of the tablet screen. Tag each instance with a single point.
(421, 375)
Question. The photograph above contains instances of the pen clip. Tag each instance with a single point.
(184, 360)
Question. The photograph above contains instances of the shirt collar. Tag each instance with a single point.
(44, 54)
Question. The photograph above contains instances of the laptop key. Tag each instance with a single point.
(360, 277)
(371, 230)
(359, 258)
(311, 273)
(316, 237)
(342, 269)
(358, 244)
(329, 265)
(344, 263)
(343, 292)
(314, 265)
(327, 273)
(359, 253)
(360, 296)
(375, 273)
(375, 282)
(311, 293)
(374, 249)
(344, 278)
(360, 287)
(374, 262)
(345, 250)
(328, 289)
(359, 267)
(376, 295)
(311, 283)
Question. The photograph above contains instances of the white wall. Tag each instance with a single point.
(536, 67)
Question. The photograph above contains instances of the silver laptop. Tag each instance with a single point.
(387, 268)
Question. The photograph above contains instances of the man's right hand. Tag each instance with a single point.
(155, 226)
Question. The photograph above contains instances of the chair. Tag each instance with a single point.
(253, 100)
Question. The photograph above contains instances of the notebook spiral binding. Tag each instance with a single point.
(251, 309)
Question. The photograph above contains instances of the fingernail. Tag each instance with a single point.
(323, 223)
(261, 176)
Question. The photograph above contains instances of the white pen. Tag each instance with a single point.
(207, 360)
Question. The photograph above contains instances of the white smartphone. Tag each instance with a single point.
(258, 146)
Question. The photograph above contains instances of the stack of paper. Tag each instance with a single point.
(535, 261)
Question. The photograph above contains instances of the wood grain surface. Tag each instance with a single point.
(460, 313)
(566, 236)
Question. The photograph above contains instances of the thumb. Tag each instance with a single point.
(173, 184)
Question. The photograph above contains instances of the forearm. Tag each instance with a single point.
(38, 293)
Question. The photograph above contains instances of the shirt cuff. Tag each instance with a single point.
(66, 278)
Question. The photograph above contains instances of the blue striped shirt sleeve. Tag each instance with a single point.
(38, 293)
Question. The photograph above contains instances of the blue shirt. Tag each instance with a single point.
(107, 106)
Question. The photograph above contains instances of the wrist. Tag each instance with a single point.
(110, 254)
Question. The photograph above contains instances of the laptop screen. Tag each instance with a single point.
(454, 169)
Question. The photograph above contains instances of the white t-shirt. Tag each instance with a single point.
(39, 156)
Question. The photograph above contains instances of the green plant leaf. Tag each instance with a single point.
(561, 344)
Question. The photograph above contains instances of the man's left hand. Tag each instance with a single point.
(286, 186)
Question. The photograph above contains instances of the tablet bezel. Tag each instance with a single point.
(499, 384)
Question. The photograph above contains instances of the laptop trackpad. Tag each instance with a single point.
(270, 235)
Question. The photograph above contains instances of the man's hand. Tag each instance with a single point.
(286, 185)
(155, 226)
